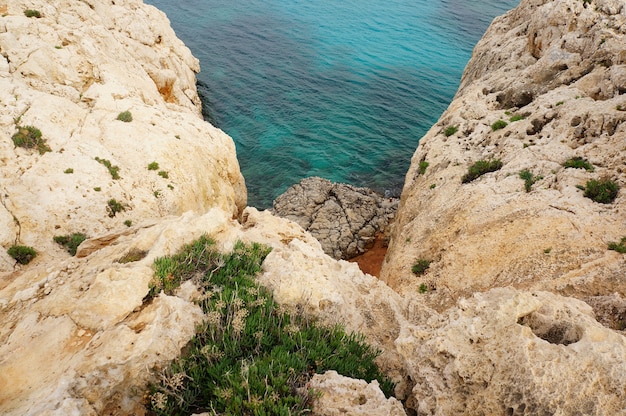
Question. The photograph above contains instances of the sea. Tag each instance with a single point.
(341, 89)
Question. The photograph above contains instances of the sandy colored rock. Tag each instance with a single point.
(557, 65)
(345, 396)
(344, 218)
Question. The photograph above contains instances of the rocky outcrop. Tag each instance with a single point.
(552, 71)
(345, 219)
(70, 73)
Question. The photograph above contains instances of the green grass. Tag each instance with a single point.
(113, 169)
(450, 130)
(500, 124)
(153, 166)
(250, 356)
(164, 174)
(114, 207)
(422, 167)
(559, 103)
(479, 168)
(603, 191)
(70, 242)
(68, 170)
(529, 179)
(125, 116)
(22, 254)
(128, 223)
(619, 247)
(97, 189)
(516, 117)
(420, 266)
(32, 13)
(29, 137)
(578, 162)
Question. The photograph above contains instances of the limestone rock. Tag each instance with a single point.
(344, 218)
(69, 74)
(557, 67)
(345, 396)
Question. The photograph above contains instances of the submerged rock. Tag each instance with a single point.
(345, 219)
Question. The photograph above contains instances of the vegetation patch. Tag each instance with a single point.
(70, 242)
(125, 116)
(32, 13)
(420, 266)
(529, 179)
(516, 117)
(22, 254)
(619, 247)
(153, 166)
(250, 356)
(68, 170)
(603, 191)
(29, 137)
(578, 163)
(128, 223)
(480, 168)
(500, 124)
(450, 130)
(133, 256)
(113, 207)
(422, 167)
(164, 174)
(113, 169)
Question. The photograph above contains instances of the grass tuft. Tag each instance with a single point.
(480, 168)
(250, 356)
(578, 162)
(603, 191)
(22, 254)
(70, 242)
(32, 13)
(497, 125)
(29, 137)
(529, 179)
(125, 116)
(113, 169)
(420, 266)
(113, 207)
(619, 247)
(450, 130)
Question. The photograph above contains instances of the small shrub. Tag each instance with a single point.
(547, 250)
(132, 256)
(578, 163)
(113, 169)
(153, 166)
(97, 189)
(603, 191)
(113, 207)
(68, 170)
(22, 254)
(516, 117)
(32, 13)
(128, 223)
(169, 185)
(529, 179)
(500, 124)
(433, 185)
(156, 193)
(423, 288)
(559, 103)
(450, 130)
(480, 168)
(70, 242)
(29, 137)
(620, 107)
(420, 266)
(125, 116)
(619, 247)
(164, 174)
(422, 167)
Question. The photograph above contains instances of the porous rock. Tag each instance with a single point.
(345, 219)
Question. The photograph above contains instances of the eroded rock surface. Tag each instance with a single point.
(557, 68)
(344, 218)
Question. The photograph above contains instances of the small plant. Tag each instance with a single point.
(32, 13)
(113, 169)
(128, 223)
(420, 266)
(164, 174)
(22, 254)
(433, 185)
(68, 170)
(177, 136)
(70, 242)
(603, 191)
(620, 107)
(450, 130)
(423, 288)
(422, 167)
(153, 166)
(559, 103)
(547, 250)
(113, 207)
(156, 193)
(619, 247)
(132, 256)
(516, 117)
(169, 185)
(579, 163)
(97, 189)
(497, 125)
(480, 168)
(529, 179)
(29, 137)
(125, 116)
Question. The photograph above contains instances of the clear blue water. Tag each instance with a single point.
(342, 89)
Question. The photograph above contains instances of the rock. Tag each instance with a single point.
(341, 395)
(557, 66)
(345, 219)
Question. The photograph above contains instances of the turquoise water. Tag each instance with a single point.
(341, 89)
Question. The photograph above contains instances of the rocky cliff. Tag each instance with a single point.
(78, 337)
